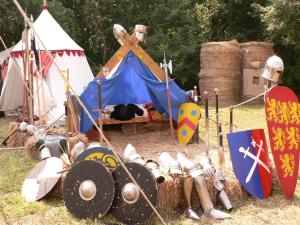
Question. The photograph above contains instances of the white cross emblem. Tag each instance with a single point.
(255, 158)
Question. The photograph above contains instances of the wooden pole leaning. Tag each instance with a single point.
(100, 121)
(27, 77)
(96, 125)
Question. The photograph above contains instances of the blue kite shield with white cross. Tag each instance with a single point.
(250, 161)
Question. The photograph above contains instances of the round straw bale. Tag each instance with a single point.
(78, 137)
(255, 54)
(220, 55)
(221, 68)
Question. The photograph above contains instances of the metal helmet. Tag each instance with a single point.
(273, 68)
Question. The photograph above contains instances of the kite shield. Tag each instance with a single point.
(250, 161)
(283, 119)
(188, 118)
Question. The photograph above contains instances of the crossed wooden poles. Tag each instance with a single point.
(131, 43)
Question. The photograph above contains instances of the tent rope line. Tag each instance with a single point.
(244, 102)
(90, 116)
(20, 75)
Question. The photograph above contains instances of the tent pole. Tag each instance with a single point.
(99, 83)
(71, 119)
(40, 73)
(30, 73)
(24, 78)
(169, 99)
(27, 78)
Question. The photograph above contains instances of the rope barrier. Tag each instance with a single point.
(90, 116)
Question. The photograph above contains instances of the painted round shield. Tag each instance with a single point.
(129, 206)
(100, 154)
(88, 190)
(41, 179)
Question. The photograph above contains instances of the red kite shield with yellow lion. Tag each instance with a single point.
(188, 119)
(283, 119)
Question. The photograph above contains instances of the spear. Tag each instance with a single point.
(166, 66)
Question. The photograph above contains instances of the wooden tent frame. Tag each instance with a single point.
(130, 43)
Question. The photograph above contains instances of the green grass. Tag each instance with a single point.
(14, 166)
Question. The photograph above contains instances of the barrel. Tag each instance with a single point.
(254, 57)
(221, 68)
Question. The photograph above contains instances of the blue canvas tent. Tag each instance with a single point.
(133, 83)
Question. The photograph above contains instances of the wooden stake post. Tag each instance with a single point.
(230, 119)
(206, 123)
(217, 112)
(196, 101)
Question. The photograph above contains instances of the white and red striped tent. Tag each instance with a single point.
(67, 55)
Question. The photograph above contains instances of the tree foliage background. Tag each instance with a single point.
(177, 27)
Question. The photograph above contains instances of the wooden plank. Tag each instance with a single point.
(152, 65)
(131, 43)
(113, 61)
(135, 120)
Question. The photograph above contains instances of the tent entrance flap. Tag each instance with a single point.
(132, 83)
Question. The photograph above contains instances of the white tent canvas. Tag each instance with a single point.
(67, 55)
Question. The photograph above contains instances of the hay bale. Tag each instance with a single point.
(255, 54)
(78, 137)
(171, 195)
(32, 152)
(17, 139)
(220, 55)
(58, 188)
(220, 68)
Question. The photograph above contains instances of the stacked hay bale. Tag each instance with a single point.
(171, 194)
(221, 68)
(254, 57)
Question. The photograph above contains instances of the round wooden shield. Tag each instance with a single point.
(129, 206)
(88, 190)
(41, 179)
(100, 154)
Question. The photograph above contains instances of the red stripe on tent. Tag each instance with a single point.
(4, 67)
(46, 63)
(17, 54)
(188, 122)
